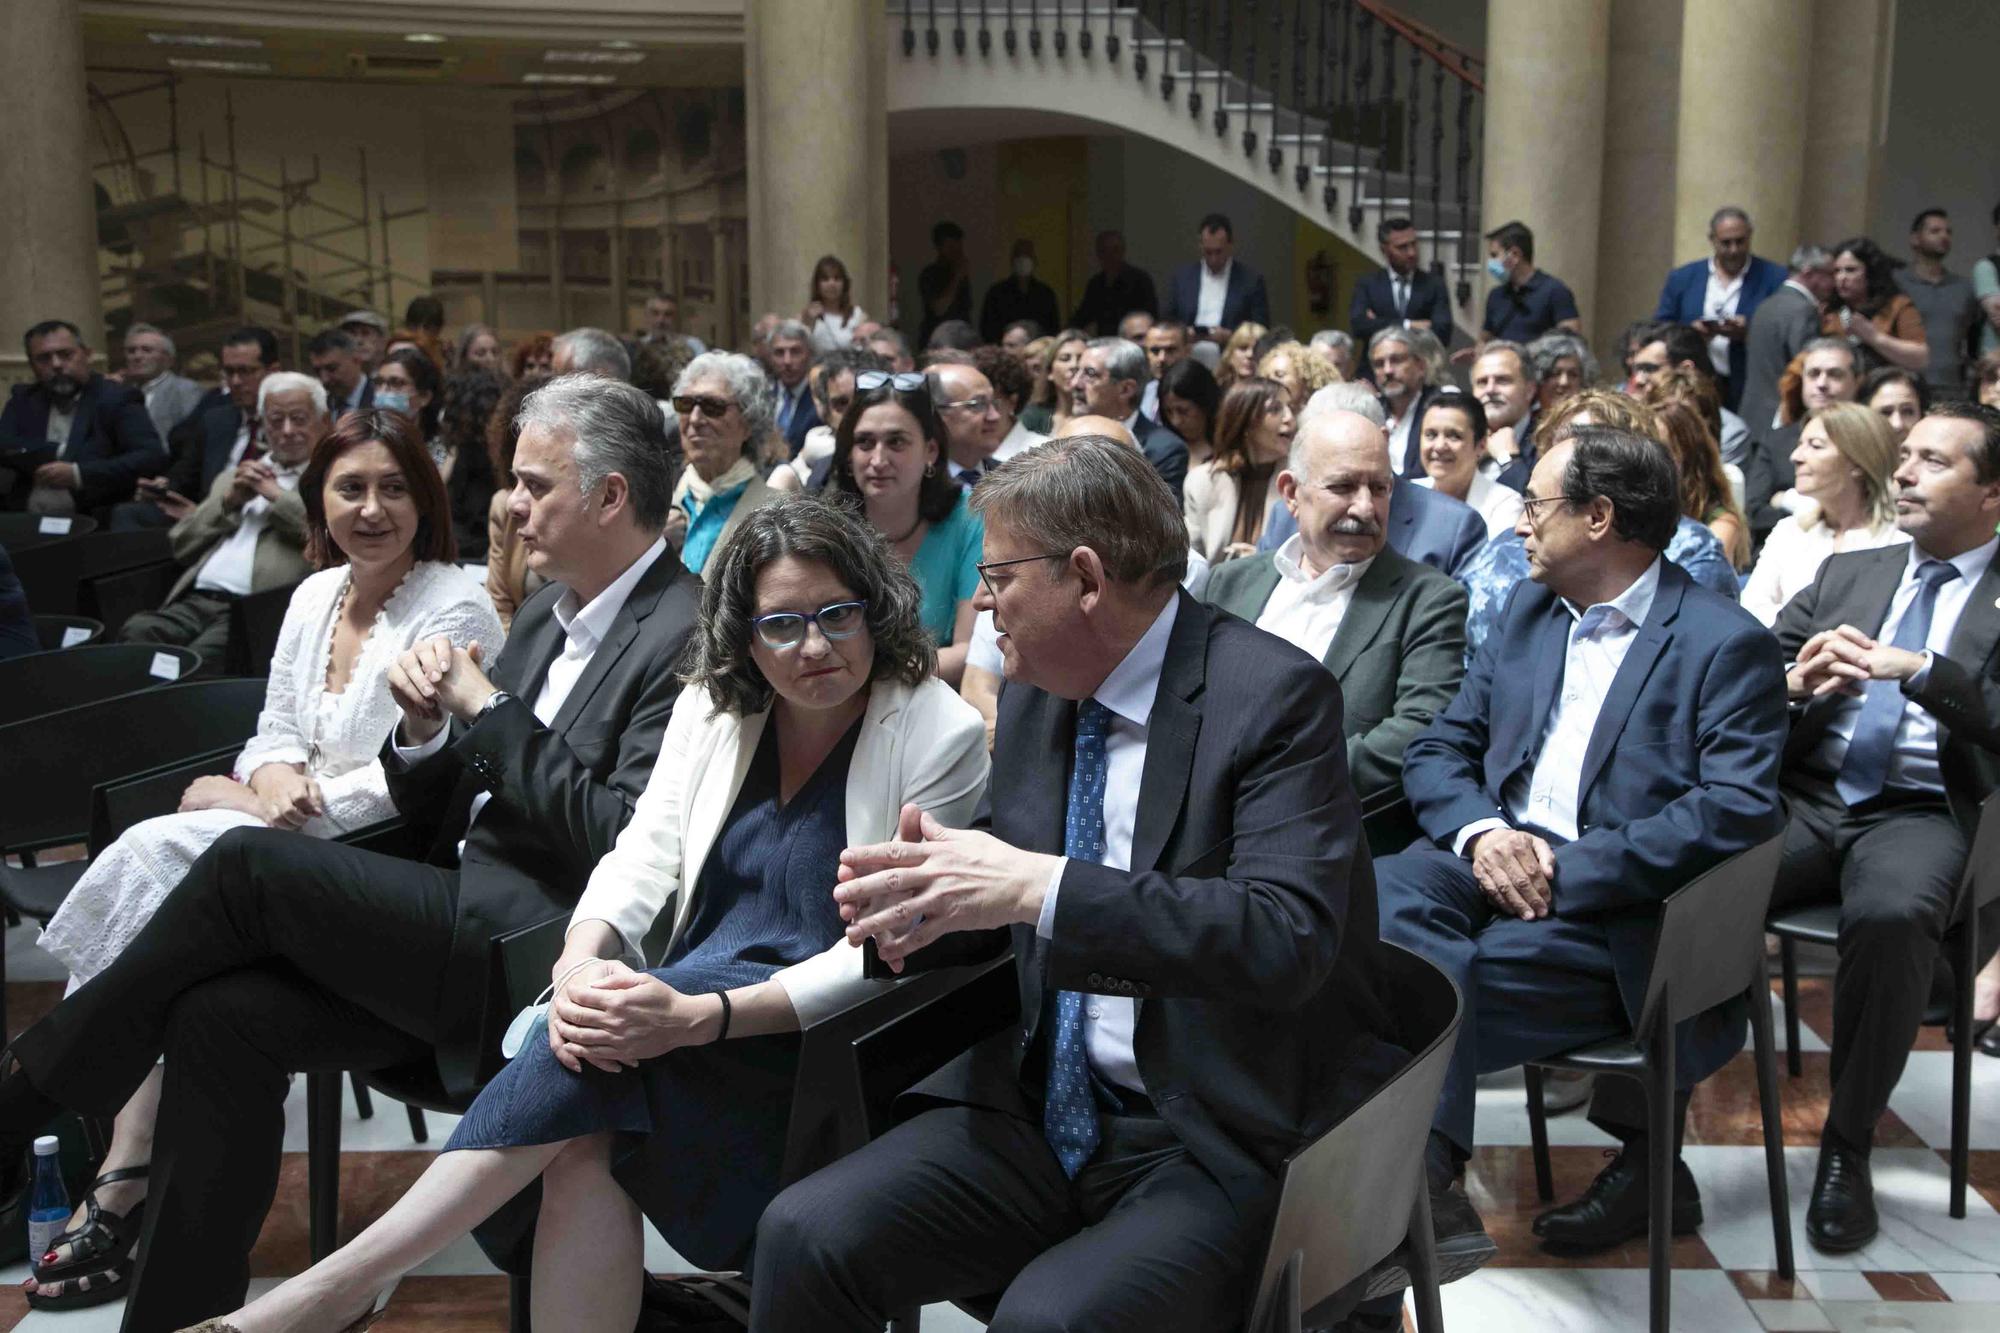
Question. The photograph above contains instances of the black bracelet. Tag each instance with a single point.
(723, 996)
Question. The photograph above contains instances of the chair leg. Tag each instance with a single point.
(1660, 1173)
(419, 1131)
(1788, 962)
(364, 1105)
(322, 1164)
(1774, 1121)
(1538, 1134)
(1423, 1261)
(1964, 968)
(519, 1312)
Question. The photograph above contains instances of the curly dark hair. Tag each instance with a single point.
(658, 364)
(1880, 268)
(1007, 373)
(938, 494)
(833, 533)
(470, 397)
(503, 428)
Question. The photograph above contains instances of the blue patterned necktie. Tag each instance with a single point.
(1069, 1109)
(1865, 768)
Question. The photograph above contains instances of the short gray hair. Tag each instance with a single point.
(290, 381)
(1394, 333)
(1123, 360)
(1334, 340)
(894, 337)
(173, 353)
(1553, 347)
(790, 328)
(612, 427)
(595, 351)
(1530, 371)
(1808, 257)
(1356, 396)
(1092, 491)
(748, 385)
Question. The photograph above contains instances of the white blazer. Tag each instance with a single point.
(923, 746)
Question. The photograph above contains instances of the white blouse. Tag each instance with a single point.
(1793, 554)
(830, 331)
(1499, 505)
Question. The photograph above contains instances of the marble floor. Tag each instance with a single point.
(1926, 1272)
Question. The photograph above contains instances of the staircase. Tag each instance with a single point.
(1342, 110)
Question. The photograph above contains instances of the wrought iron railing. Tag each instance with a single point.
(1349, 93)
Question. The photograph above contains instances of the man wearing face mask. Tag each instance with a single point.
(1020, 295)
(1525, 302)
(73, 440)
(249, 534)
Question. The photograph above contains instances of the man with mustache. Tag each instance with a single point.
(1391, 630)
(73, 440)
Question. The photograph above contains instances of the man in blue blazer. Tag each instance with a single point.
(110, 442)
(1540, 884)
(1404, 294)
(1717, 295)
(1217, 292)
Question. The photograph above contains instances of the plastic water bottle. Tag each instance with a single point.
(48, 1205)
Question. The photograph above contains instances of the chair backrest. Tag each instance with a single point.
(50, 764)
(1982, 866)
(1711, 941)
(1346, 1197)
(119, 804)
(48, 682)
(24, 532)
(254, 625)
(1389, 824)
(59, 632)
(61, 576)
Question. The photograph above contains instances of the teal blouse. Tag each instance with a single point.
(946, 568)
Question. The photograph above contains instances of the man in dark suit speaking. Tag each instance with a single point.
(280, 953)
(1540, 889)
(1178, 861)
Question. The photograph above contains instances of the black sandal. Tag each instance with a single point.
(80, 1291)
(103, 1243)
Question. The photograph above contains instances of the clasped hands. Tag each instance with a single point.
(932, 881)
(436, 680)
(1516, 871)
(253, 477)
(609, 1016)
(1843, 660)
(282, 795)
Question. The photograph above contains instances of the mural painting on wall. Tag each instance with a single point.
(226, 202)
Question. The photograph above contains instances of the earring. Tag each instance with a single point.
(930, 468)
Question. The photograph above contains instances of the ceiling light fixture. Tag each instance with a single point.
(427, 38)
(211, 39)
(541, 76)
(617, 44)
(557, 56)
(221, 66)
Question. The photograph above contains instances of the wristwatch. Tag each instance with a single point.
(492, 702)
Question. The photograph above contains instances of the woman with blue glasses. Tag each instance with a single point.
(810, 718)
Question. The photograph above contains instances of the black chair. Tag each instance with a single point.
(59, 632)
(50, 682)
(1819, 923)
(254, 623)
(1710, 951)
(106, 575)
(24, 532)
(1388, 823)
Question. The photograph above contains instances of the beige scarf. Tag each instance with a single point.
(738, 473)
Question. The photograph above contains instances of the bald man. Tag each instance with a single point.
(1095, 425)
(972, 420)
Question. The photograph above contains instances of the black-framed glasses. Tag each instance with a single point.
(787, 629)
(1528, 503)
(713, 408)
(905, 381)
(986, 577)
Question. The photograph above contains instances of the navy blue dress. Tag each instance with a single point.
(701, 1130)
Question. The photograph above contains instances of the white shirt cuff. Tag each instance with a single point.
(1045, 924)
(411, 754)
(1473, 830)
(1921, 675)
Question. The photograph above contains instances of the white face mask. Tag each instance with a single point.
(1024, 266)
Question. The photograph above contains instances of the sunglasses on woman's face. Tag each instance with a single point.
(908, 381)
(787, 629)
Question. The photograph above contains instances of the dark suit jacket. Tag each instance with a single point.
(1246, 298)
(1696, 715)
(1429, 528)
(111, 441)
(1684, 296)
(1962, 690)
(561, 793)
(1107, 301)
(1006, 302)
(803, 420)
(1785, 322)
(1429, 299)
(1399, 653)
(17, 626)
(1166, 451)
(1768, 469)
(206, 456)
(1251, 959)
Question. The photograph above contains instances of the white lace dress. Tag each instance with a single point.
(337, 736)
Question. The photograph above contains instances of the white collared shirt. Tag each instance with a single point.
(584, 629)
(1600, 637)
(1913, 762)
(1017, 439)
(1722, 298)
(1399, 432)
(1305, 610)
(230, 566)
(1214, 296)
(1128, 692)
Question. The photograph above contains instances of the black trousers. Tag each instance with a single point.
(278, 953)
(962, 1202)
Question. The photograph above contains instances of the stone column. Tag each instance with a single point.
(1845, 110)
(1744, 85)
(1636, 234)
(1546, 63)
(48, 211)
(815, 90)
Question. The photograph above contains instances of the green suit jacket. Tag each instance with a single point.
(1399, 653)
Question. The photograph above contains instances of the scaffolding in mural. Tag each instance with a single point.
(202, 244)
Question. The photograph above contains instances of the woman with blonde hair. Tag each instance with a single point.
(1845, 459)
(1239, 354)
(1053, 368)
(1228, 499)
(1706, 495)
(1035, 413)
(1302, 370)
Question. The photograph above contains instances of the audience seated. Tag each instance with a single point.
(510, 580)
(1011, 382)
(1391, 631)
(1547, 856)
(211, 442)
(1708, 495)
(1166, 343)
(370, 333)
(17, 626)
(336, 360)
(832, 381)
(468, 401)
(1189, 402)
(1563, 365)
(1665, 348)
(1238, 358)
(1829, 372)
(970, 413)
(532, 356)
(374, 518)
(250, 533)
(1402, 378)
(1229, 498)
(278, 953)
(1784, 323)
(149, 368)
(1108, 381)
(74, 441)
(1899, 396)
(1109, 1136)
(1894, 657)
(811, 721)
(1301, 370)
(723, 404)
(1452, 437)
(1503, 379)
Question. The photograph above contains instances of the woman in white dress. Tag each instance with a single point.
(1846, 501)
(379, 525)
(1451, 441)
(830, 311)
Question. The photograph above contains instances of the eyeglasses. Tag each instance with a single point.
(1528, 503)
(787, 629)
(908, 381)
(986, 577)
(713, 408)
(977, 406)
